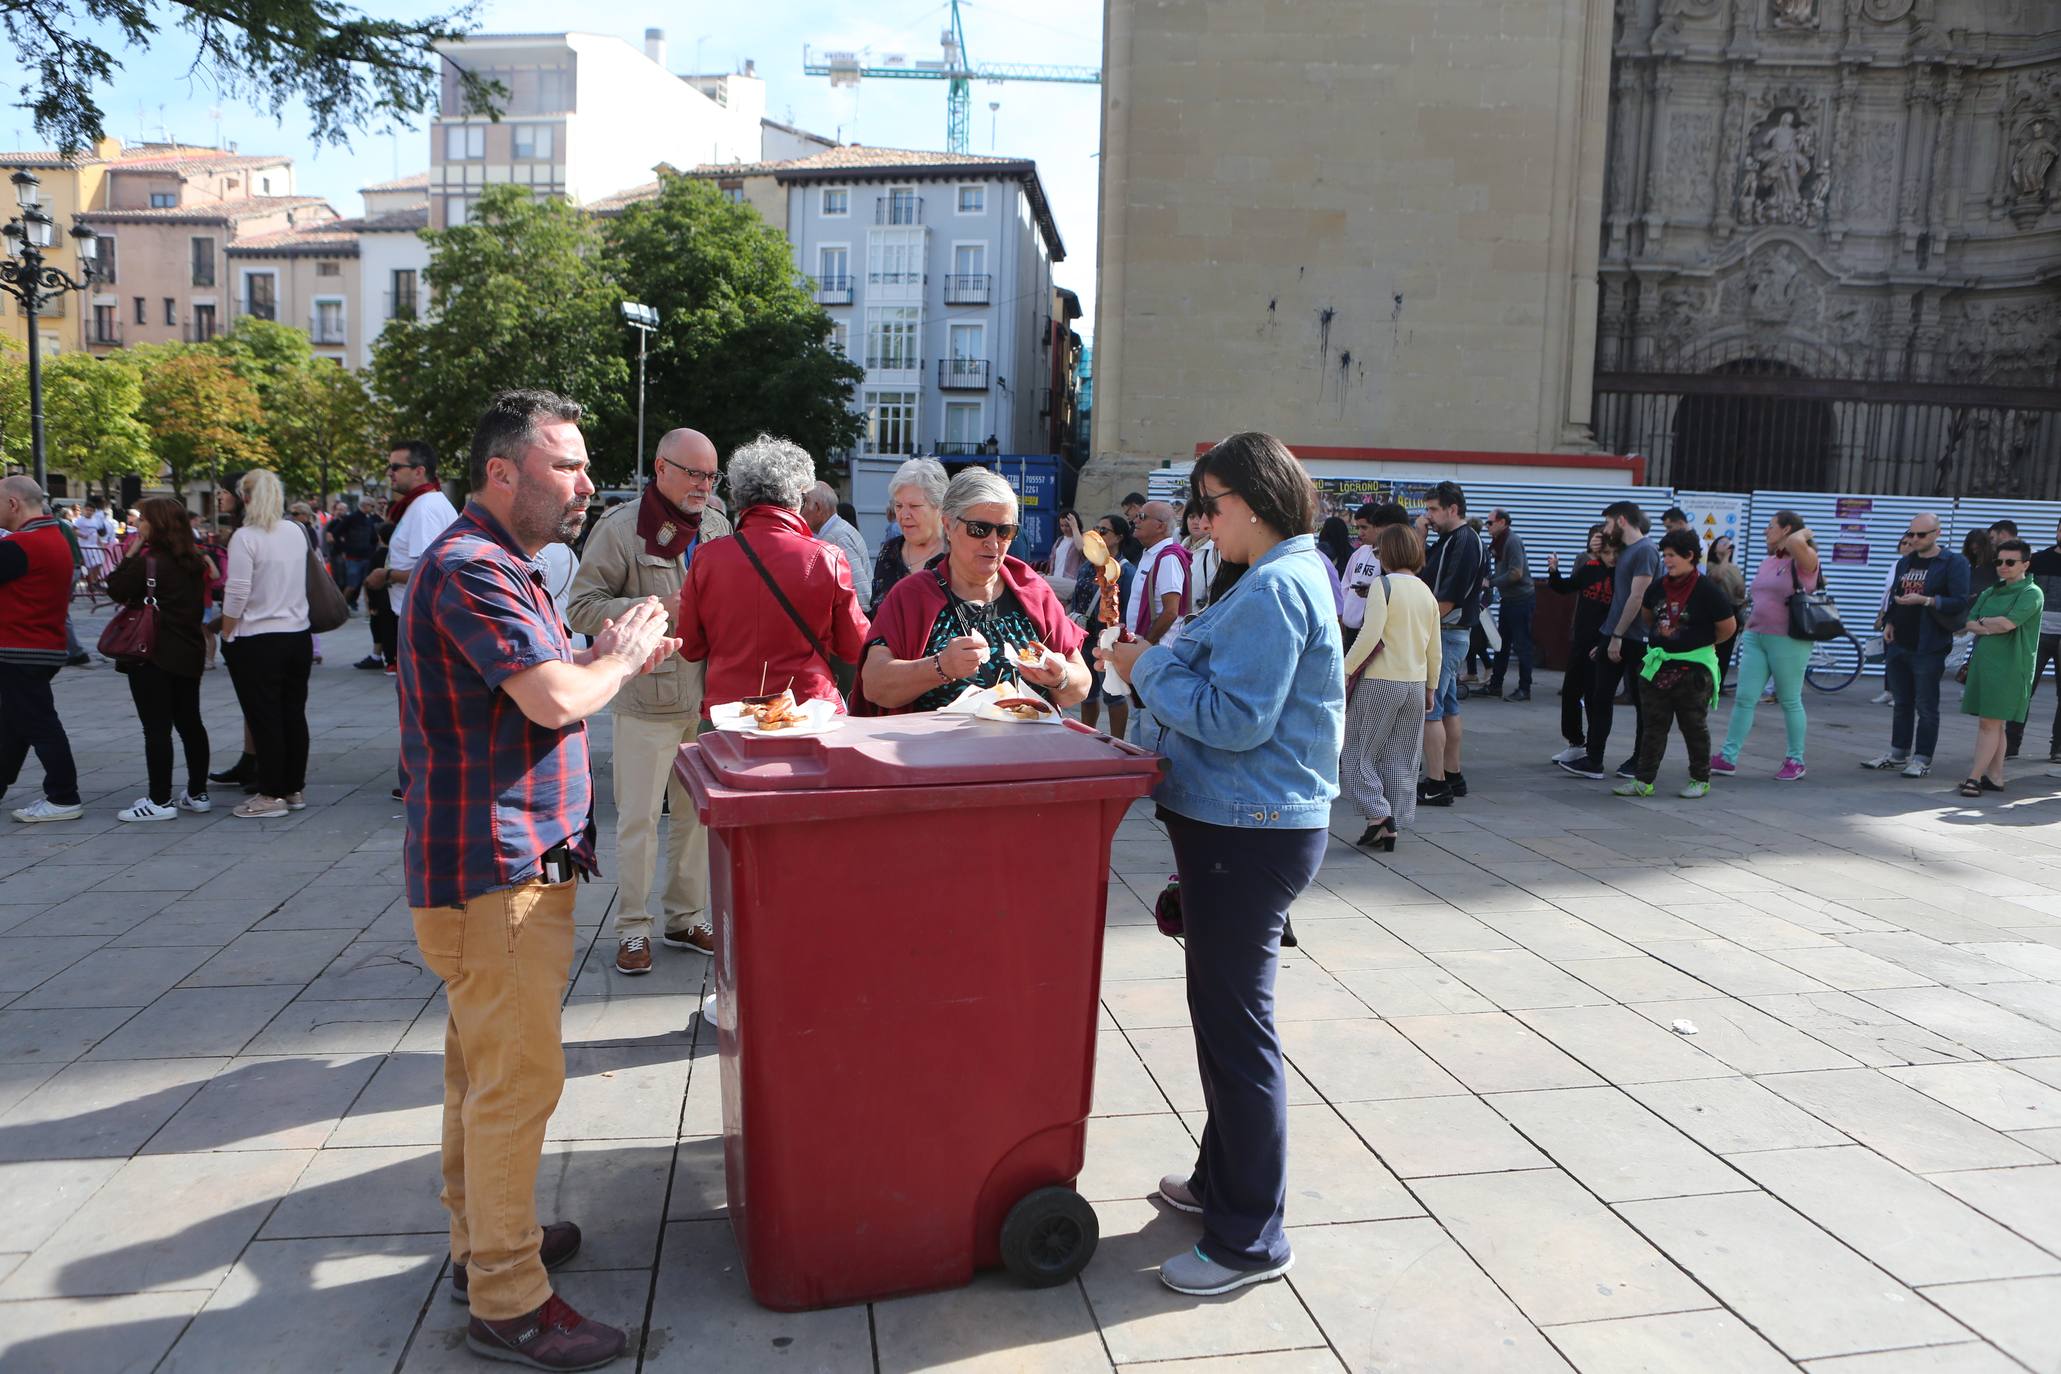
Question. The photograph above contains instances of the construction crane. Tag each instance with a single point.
(847, 68)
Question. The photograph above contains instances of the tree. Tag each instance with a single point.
(742, 347)
(347, 67)
(14, 403)
(203, 416)
(520, 301)
(276, 359)
(91, 424)
(322, 422)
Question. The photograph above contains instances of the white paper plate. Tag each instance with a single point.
(993, 712)
(819, 717)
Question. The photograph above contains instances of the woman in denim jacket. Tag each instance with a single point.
(1249, 706)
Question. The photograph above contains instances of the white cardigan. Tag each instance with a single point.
(267, 588)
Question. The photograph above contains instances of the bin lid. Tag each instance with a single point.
(919, 751)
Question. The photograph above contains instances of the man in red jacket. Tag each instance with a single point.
(35, 592)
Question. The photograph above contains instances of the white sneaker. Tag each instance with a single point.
(1884, 698)
(146, 810)
(1884, 761)
(44, 809)
(295, 802)
(1573, 753)
(1918, 767)
(198, 805)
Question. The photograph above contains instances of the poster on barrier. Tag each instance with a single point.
(1714, 514)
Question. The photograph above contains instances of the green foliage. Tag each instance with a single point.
(519, 300)
(91, 420)
(742, 348)
(349, 69)
(203, 416)
(325, 428)
(14, 404)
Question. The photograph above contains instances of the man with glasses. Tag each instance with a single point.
(1928, 602)
(638, 550)
(419, 511)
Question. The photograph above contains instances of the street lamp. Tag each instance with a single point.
(643, 319)
(35, 283)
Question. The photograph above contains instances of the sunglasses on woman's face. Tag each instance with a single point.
(2009, 562)
(987, 529)
(1205, 504)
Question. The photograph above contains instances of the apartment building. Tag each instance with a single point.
(584, 116)
(305, 276)
(167, 216)
(393, 260)
(70, 184)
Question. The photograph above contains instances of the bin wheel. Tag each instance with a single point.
(1049, 1236)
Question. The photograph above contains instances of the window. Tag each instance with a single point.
(973, 200)
(902, 207)
(891, 336)
(329, 322)
(171, 311)
(261, 295)
(968, 282)
(464, 142)
(836, 201)
(968, 342)
(328, 269)
(142, 311)
(834, 268)
(554, 90)
(895, 258)
(104, 263)
(733, 191)
(840, 337)
(533, 142)
(203, 262)
(164, 200)
(969, 259)
(264, 186)
(401, 299)
(104, 324)
(458, 209)
(962, 427)
(203, 323)
(891, 421)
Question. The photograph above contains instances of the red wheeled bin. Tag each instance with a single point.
(908, 917)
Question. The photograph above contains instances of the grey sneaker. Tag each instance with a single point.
(1886, 760)
(1918, 767)
(1198, 1275)
(1173, 1191)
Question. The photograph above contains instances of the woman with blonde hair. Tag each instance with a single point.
(266, 642)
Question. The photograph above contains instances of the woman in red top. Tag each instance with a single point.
(958, 622)
(761, 626)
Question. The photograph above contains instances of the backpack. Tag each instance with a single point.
(1147, 613)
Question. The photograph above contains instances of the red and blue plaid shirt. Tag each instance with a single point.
(489, 790)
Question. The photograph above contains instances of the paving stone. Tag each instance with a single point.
(1560, 1255)
(1494, 1052)
(1968, 1357)
(57, 1035)
(1728, 1115)
(1148, 1003)
(124, 1335)
(374, 969)
(1731, 968)
(2037, 1002)
(1425, 1137)
(1802, 1290)
(41, 1195)
(2027, 1200)
(1861, 1030)
(704, 1318)
(700, 1185)
(1424, 990)
(1430, 931)
(378, 1190)
(26, 962)
(114, 978)
(284, 1103)
(1401, 1295)
(291, 957)
(994, 1324)
(1357, 943)
(1517, 978)
(1558, 936)
(1710, 1342)
(1899, 1122)
(2022, 1316)
(195, 1021)
(1980, 1025)
(402, 1105)
(1994, 1094)
(1639, 978)
(1122, 1085)
(1353, 1061)
(1622, 1046)
(1745, 1038)
(1938, 961)
(1848, 970)
(94, 1111)
(1902, 1222)
(1615, 1147)
(1127, 1155)
(370, 1027)
(619, 1092)
(211, 924)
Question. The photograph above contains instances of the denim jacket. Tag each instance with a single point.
(1250, 700)
(1949, 581)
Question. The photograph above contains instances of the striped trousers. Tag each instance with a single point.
(1384, 743)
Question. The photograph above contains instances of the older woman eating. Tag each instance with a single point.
(915, 494)
(961, 622)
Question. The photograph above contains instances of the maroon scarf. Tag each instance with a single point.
(396, 506)
(665, 529)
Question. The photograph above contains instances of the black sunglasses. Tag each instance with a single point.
(985, 529)
(2007, 562)
(1206, 505)
(401, 467)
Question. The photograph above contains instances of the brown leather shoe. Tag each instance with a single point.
(701, 939)
(633, 956)
(561, 1243)
(552, 1337)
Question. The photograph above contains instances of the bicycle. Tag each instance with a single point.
(1835, 663)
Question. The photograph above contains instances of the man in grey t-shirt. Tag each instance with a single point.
(1514, 604)
(1623, 650)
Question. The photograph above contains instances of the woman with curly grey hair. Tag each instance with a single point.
(771, 606)
(916, 497)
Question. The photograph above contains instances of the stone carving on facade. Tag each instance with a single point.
(2032, 161)
(1886, 11)
(1667, 34)
(2005, 341)
(1691, 149)
(1783, 176)
(1682, 318)
(1772, 286)
(1793, 14)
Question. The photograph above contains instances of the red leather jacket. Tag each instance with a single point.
(731, 619)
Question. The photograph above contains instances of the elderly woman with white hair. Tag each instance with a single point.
(962, 622)
(916, 498)
(771, 606)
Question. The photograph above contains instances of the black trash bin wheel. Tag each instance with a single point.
(1049, 1236)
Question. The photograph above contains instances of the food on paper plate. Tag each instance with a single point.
(1032, 655)
(1024, 708)
(775, 712)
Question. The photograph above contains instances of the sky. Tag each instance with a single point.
(1059, 126)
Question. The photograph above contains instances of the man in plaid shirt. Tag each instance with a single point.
(494, 702)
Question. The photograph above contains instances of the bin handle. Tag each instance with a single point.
(1125, 745)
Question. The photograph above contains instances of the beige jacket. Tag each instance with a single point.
(616, 572)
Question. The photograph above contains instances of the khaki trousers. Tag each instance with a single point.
(644, 755)
(504, 958)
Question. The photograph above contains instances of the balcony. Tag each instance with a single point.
(834, 291)
(103, 334)
(962, 374)
(968, 288)
(898, 210)
(959, 448)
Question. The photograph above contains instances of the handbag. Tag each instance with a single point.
(843, 673)
(327, 609)
(1813, 615)
(1379, 644)
(1166, 912)
(132, 635)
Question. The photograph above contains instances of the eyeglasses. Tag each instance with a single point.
(701, 476)
(401, 467)
(1206, 503)
(987, 529)
(1918, 534)
(2008, 562)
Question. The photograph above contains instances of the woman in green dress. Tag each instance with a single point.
(2005, 620)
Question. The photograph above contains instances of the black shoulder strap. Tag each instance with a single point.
(781, 597)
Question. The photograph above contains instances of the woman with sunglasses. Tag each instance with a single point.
(960, 622)
(2005, 621)
(1250, 708)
